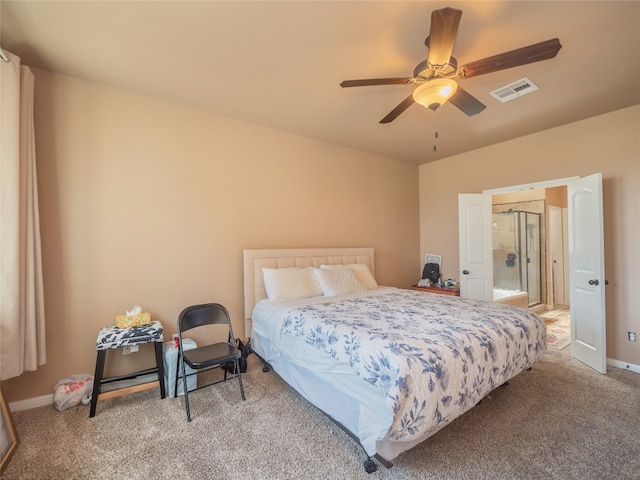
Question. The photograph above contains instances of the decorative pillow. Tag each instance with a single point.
(285, 284)
(338, 281)
(361, 269)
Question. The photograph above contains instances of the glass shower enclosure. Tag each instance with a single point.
(517, 253)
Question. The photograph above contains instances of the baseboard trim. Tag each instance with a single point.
(623, 365)
(30, 403)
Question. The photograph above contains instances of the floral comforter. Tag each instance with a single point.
(433, 356)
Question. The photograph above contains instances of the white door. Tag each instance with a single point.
(586, 275)
(476, 249)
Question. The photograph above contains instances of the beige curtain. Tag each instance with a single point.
(22, 335)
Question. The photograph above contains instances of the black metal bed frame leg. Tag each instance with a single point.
(370, 466)
(265, 364)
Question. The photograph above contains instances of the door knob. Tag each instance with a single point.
(594, 282)
(465, 272)
(606, 282)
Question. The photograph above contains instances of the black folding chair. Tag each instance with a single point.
(209, 356)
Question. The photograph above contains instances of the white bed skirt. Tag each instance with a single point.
(362, 412)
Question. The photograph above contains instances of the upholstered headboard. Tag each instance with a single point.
(255, 260)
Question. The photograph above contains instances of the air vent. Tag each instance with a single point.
(514, 90)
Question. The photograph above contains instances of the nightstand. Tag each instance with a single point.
(455, 291)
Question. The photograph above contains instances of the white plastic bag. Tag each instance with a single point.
(72, 390)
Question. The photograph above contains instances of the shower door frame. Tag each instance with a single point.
(522, 260)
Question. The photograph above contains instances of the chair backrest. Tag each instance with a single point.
(205, 314)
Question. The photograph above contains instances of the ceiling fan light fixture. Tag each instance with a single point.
(435, 93)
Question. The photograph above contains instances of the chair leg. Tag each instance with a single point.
(240, 379)
(186, 391)
(160, 367)
(175, 388)
(97, 379)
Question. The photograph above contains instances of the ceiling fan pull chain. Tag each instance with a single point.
(435, 129)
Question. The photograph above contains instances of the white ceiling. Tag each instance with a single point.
(279, 64)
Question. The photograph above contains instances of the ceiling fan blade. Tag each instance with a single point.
(442, 36)
(514, 58)
(393, 114)
(467, 102)
(377, 81)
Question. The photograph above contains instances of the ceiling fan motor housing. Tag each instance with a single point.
(425, 71)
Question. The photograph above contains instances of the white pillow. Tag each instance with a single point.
(361, 269)
(338, 281)
(285, 284)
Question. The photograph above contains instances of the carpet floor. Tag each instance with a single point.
(560, 420)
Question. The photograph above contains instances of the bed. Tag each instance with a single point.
(390, 366)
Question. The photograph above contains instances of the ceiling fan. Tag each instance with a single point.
(435, 75)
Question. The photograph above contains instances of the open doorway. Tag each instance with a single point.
(585, 262)
(530, 258)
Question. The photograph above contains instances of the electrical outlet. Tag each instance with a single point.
(129, 349)
(632, 336)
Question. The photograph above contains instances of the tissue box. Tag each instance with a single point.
(128, 321)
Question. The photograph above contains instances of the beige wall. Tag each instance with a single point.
(609, 144)
(146, 202)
